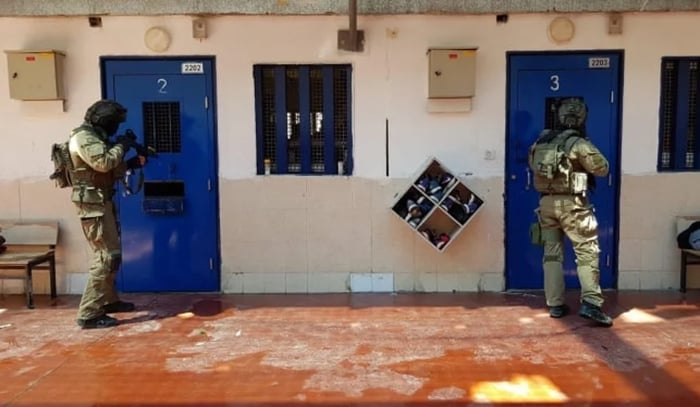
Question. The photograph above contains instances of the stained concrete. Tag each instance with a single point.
(338, 349)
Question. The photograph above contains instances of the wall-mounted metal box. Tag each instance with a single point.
(452, 73)
(35, 75)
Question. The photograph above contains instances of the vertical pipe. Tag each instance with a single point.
(386, 144)
(352, 13)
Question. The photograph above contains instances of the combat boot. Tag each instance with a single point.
(594, 313)
(559, 311)
(103, 321)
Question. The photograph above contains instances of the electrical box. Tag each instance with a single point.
(35, 75)
(452, 73)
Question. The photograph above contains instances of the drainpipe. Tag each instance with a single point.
(352, 39)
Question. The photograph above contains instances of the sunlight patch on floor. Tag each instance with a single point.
(529, 388)
(637, 316)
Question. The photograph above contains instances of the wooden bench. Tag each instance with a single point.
(29, 245)
(688, 257)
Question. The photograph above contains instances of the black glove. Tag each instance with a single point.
(134, 162)
(125, 142)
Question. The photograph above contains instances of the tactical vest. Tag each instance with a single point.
(89, 186)
(553, 171)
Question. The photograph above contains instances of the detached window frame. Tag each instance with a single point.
(679, 115)
(303, 119)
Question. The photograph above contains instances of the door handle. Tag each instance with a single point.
(527, 186)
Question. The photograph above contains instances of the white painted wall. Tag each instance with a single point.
(390, 82)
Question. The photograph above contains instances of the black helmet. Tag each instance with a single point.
(107, 115)
(572, 113)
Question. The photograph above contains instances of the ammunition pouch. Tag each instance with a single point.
(572, 183)
(536, 234)
(91, 195)
(89, 177)
(91, 187)
(578, 183)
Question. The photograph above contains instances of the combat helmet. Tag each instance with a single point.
(107, 115)
(572, 113)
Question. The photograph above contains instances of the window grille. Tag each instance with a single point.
(161, 126)
(303, 119)
(678, 115)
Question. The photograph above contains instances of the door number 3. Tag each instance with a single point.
(554, 83)
(162, 83)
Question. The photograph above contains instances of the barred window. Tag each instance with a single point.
(303, 119)
(679, 149)
(161, 126)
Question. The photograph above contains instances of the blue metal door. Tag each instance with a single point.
(170, 238)
(536, 82)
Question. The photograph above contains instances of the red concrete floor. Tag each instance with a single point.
(353, 350)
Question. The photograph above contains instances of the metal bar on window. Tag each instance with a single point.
(697, 133)
(305, 125)
(281, 118)
(329, 161)
(694, 121)
(667, 113)
(259, 122)
(348, 91)
(680, 145)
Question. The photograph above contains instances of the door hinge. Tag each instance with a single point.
(209, 184)
(607, 260)
(609, 180)
(206, 102)
(612, 96)
(211, 264)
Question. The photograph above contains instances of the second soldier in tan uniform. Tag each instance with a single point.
(562, 160)
(97, 164)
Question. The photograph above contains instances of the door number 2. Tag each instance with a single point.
(162, 83)
(554, 83)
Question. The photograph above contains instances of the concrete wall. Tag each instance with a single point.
(326, 227)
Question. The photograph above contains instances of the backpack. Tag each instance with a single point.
(549, 161)
(62, 164)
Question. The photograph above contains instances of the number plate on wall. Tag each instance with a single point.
(599, 63)
(192, 67)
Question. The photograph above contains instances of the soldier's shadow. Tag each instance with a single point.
(165, 307)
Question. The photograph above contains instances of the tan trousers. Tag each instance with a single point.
(103, 237)
(573, 216)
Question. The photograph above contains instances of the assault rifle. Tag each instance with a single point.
(128, 139)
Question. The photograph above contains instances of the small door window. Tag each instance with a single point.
(161, 126)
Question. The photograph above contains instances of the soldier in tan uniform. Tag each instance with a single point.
(563, 161)
(97, 165)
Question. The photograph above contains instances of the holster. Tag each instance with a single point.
(536, 234)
